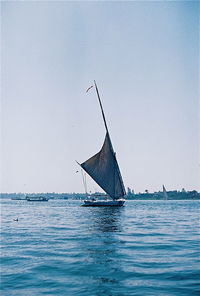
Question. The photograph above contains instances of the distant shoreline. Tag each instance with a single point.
(172, 195)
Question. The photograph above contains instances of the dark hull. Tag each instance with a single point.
(37, 200)
(102, 203)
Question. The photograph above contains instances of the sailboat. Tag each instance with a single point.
(103, 168)
(165, 193)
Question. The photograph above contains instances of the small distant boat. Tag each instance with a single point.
(36, 198)
(19, 197)
(103, 168)
(165, 195)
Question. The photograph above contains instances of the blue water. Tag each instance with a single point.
(60, 248)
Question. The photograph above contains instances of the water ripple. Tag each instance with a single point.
(59, 248)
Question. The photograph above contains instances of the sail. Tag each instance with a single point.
(165, 193)
(104, 170)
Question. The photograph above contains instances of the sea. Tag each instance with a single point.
(60, 248)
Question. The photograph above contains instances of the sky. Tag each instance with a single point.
(144, 57)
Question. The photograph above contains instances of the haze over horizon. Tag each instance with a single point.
(144, 57)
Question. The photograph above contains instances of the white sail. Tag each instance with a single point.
(165, 193)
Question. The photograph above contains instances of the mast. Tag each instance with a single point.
(114, 154)
(104, 119)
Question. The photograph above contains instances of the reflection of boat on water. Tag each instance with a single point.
(104, 170)
(101, 249)
(36, 198)
(106, 219)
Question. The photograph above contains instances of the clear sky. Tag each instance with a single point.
(145, 58)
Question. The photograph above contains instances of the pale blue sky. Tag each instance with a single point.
(145, 59)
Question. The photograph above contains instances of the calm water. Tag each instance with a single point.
(60, 248)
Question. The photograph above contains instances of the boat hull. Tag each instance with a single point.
(104, 203)
(40, 198)
(37, 200)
